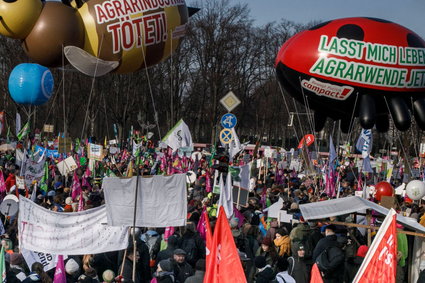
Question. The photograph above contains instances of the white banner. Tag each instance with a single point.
(76, 233)
(47, 260)
(161, 200)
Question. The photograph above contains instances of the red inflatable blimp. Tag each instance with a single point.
(365, 67)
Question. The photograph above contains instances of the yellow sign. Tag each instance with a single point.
(230, 101)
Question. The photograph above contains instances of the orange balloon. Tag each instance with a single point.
(383, 189)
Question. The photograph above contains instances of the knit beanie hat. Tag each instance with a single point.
(166, 265)
(362, 251)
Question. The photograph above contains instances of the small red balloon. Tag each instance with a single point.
(383, 189)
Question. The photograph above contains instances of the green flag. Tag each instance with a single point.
(24, 131)
(2, 266)
(44, 179)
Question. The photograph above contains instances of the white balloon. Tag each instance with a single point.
(415, 189)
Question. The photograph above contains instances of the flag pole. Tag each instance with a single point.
(134, 223)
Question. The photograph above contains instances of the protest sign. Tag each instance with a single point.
(47, 260)
(64, 145)
(34, 170)
(67, 165)
(76, 233)
(153, 193)
(95, 151)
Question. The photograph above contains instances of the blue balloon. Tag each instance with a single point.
(31, 84)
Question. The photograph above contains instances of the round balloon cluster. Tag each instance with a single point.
(30, 84)
(365, 67)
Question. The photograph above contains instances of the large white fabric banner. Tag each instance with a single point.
(76, 233)
(161, 201)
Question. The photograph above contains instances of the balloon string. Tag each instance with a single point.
(53, 102)
(401, 144)
(92, 87)
(151, 93)
(351, 127)
(287, 108)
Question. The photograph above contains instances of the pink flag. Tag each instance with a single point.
(201, 228)
(60, 275)
(2, 183)
(81, 202)
(239, 216)
(169, 231)
(76, 186)
(208, 186)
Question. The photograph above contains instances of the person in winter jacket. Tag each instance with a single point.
(353, 264)
(165, 272)
(299, 267)
(265, 272)
(182, 269)
(172, 244)
(282, 243)
(299, 235)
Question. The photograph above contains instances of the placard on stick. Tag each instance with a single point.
(240, 196)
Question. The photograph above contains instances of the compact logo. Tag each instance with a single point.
(329, 90)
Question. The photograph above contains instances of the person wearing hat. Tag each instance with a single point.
(182, 269)
(330, 240)
(299, 267)
(299, 234)
(268, 250)
(265, 272)
(165, 272)
(168, 253)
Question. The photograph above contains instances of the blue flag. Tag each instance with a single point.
(364, 143)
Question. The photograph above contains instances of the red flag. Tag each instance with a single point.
(380, 263)
(316, 277)
(223, 262)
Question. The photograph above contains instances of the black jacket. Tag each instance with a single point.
(182, 271)
(265, 276)
(300, 269)
(326, 242)
(352, 265)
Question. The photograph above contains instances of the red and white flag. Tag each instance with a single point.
(380, 263)
(223, 262)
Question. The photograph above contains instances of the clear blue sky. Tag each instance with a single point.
(409, 13)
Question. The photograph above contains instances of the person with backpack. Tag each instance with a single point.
(329, 256)
(283, 275)
(299, 267)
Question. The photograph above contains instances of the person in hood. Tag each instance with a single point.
(165, 272)
(37, 274)
(299, 267)
(265, 272)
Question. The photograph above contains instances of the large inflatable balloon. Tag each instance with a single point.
(98, 37)
(415, 189)
(383, 189)
(366, 66)
(30, 84)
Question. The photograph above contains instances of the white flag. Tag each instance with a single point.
(18, 123)
(235, 145)
(179, 136)
(226, 196)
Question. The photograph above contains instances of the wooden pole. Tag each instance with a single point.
(418, 234)
(369, 230)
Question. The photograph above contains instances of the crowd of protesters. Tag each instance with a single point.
(270, 251)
